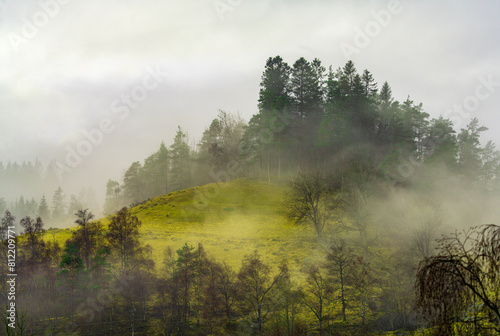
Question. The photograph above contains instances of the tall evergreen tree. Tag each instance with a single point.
(274, 86)
(163, 167)
(416, 124)
(180, 161)
(132, 184)
(469, 149)
(306, 88)
(490, 170)
(58, 205)
(385, 95)
(270, 128)
(43, 209)
(440, 144)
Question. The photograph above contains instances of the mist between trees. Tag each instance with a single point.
(340, 148)
(104, 281)
(308, 116)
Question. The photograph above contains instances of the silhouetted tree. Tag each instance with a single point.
(32, 229)
(87, 235)
(461, 283)
(180, 162)
(316, 292)
(341, 263)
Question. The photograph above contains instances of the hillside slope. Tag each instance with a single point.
(230, 220)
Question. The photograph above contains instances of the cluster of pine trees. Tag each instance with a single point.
(24, 190)
(57, 211)
(311, 117)
(180, 166)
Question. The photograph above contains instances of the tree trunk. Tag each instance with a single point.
(342, 297)
(259, 320)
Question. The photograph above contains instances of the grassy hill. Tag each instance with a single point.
(230, 220)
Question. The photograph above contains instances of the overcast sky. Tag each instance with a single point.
(66, 66)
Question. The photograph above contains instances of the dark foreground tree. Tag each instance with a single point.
(32, 230)
(87, 235)
(256, 285)
(341, 263)
(123, 235)
(460, 285)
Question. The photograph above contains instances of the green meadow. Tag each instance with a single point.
(230, 219)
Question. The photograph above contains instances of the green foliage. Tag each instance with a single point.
(123, 236)
(180, 161)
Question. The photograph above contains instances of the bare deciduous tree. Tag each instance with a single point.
(341, 262)
(426, 219)
(311, 200)
(462, 282)
(256, 284)
(316, 292)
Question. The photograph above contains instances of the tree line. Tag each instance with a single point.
(103, 281)
(58, 210)
(309, 116)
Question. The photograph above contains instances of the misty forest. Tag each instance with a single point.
(335, 210)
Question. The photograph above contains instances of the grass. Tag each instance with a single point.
(230, 220)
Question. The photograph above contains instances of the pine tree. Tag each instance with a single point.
(43, 209)
(469, 149)
(268, 131)
(306, 88)
(58, 205)
(31, 207)
(132, 183)
(163, 166)
(440, 144)
(274, 86)
(385, 95)
(180, 161)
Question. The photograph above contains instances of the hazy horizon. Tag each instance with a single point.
(68, 65)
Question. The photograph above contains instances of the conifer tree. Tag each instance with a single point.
(180, 161)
